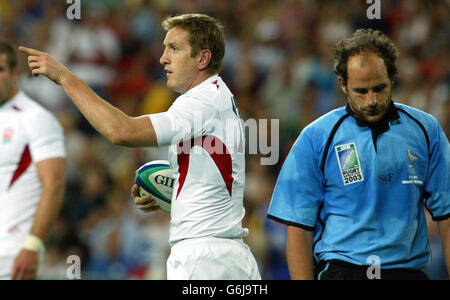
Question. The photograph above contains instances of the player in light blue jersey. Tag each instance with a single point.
(354, 185)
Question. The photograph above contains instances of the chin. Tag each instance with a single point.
(173, 87)
(373, 119)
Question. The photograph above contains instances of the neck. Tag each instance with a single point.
(202, 76)
(14, 92)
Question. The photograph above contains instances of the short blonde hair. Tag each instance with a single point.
(205, 32)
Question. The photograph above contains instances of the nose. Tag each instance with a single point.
(372, 99)
(164, 59)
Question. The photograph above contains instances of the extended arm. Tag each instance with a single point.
(109, 121)
(299, 253)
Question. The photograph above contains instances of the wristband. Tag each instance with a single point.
(33, 243)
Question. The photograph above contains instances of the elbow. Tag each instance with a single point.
(120, 138)
(115, 140)
(118, 141)
(116, 137)
(132, 133)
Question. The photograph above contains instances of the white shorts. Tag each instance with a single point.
(212, 258)
(6, 265)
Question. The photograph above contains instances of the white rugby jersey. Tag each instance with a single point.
(29, 133)
(207, 157)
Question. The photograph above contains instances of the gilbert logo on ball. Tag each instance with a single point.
(155, 178)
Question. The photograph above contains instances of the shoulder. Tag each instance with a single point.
(30, 107)
(204, 96)
(414, 112)
(209, 89)
(322, 126)
(315, 135)
(428, 121)
(35, 115)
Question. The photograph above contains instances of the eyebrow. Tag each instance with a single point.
(172, 45)
(375, 89)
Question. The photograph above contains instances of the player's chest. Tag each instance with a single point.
(395, 157)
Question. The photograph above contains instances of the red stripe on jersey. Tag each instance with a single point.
(183, 165)
(25, 162)
(215, 82)
(218, 152)
(16, 108)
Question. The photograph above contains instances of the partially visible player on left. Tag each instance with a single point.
(32, 173)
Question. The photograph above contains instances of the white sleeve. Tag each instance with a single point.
(187, 118)
(45, 136)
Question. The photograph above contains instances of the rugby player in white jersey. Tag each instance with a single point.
(32, 173)
(206, 153)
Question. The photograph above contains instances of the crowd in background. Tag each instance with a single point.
(278, 63)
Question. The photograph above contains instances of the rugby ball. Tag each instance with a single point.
(155, 178)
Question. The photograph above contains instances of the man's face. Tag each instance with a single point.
(8, 79)
(181, 69)
(369, 87)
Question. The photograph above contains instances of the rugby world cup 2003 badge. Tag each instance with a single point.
(349, 164)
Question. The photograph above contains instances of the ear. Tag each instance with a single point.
(342, 85)
(204, 59)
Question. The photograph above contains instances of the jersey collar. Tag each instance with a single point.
(10, 103)
(379, 127)
(209, 80)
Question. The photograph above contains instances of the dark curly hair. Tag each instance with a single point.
(365, 40)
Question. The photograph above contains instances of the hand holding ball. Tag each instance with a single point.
(155, 178)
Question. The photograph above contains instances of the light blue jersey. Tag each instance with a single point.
(362, 190)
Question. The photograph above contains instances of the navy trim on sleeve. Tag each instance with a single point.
(425, 196)
(441, 218)
(308, 228)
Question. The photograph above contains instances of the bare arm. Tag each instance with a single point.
(109, 121)
(299, 253)
(444, 231)
(52, 174)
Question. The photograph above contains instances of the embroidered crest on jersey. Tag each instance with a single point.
(413, 177)
(7, 135)
(349, 164)
(411, 156)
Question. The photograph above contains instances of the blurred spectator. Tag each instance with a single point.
(92, 49)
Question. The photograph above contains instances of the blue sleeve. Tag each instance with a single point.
(299, 191)
(437, 184)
